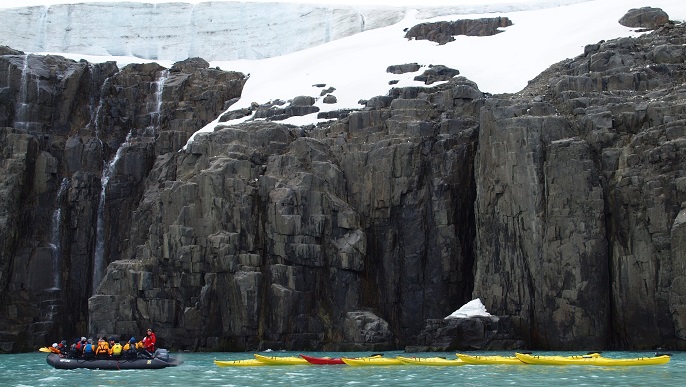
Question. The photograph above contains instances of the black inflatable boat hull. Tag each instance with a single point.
(65, 363)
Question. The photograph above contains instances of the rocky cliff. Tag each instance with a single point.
(561, 207)
(78, 142)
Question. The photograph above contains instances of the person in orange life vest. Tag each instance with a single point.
(103, 349)
(55, 348)
(149, 341)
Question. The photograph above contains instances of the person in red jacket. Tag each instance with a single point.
(149, 341)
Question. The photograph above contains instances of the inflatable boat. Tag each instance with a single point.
(161, 359)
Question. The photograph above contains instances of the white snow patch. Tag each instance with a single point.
(473, 308)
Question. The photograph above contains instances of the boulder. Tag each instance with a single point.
(330, 99)
(403, 68)
(279, 110)
(364, 329)
(436, 73)
(645, 17)
(326, 91)
(444, 31)
(468, 334)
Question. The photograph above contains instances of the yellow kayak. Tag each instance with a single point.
(431, 361)
(592, 360)
(493, 359)
(239, 363)
(371, 361)
(281, 360)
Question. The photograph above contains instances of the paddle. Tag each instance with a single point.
(44, 349)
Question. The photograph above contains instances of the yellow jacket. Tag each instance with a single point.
(129, 346)
(103, 348)
(116, 349)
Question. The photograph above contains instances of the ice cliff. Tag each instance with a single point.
(176, 31)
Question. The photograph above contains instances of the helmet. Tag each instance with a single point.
(64, 342)
(54, 345)
(132, 340)
(83, 338)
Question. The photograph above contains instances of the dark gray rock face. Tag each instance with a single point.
(330, 98)
(65, 122)
(436, 73)
(468, 334)
(579, 198)
(562, 207)
(4, 50)
(264, 232)
(280, 110)
(645, 17)
(403, 68)
(445, 31)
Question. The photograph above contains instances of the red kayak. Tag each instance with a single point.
(322, 360)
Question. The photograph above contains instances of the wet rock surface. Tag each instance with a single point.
(65, 122)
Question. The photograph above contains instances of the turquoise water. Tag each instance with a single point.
(30, 369)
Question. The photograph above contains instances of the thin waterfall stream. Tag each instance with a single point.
(154, 109)
(99, 261)
(56, 235)
(22, 106)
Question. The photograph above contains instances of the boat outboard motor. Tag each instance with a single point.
(162, 354)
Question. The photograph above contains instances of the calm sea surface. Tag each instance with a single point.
(30, 369)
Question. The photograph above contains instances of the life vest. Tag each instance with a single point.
(103, 348)
(116, 349)
(88, 348)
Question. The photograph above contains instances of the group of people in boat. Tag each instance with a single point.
(103, 348)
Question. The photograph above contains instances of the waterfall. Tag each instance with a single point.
(95, 115)
(99, 259)
(155, 107)
(56, 235)
(21, 109)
